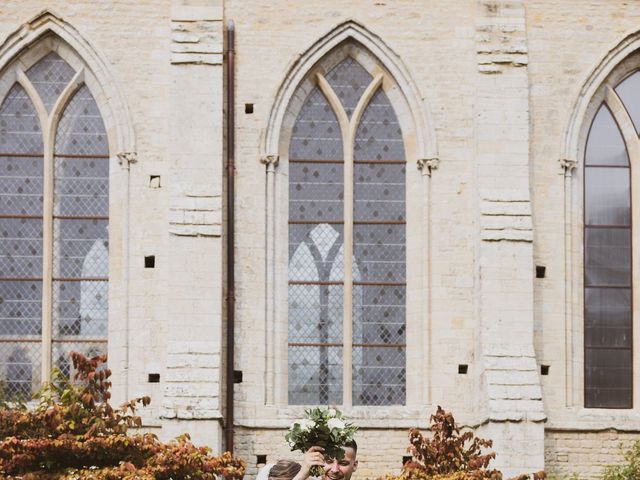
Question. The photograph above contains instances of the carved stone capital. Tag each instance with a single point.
(427, 165)
(125, 159)
(568, 165)
(271, 161)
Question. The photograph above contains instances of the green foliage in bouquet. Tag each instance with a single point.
(321, 427)
(74, 433)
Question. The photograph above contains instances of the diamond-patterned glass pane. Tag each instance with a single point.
(315, 314)
(80, 308)
(380, 252)
(20, 308)
(349, 80)
(316, 191)
(315, 375)
(20, 248)
(49, 77)
(316, 134)
(379, 136)
(315, 311)
(81, 186)
(19, 125)
(80, 248)
(19, 370)
(315, 253)
(379, 247)
(379, 191)
(21, 185)
(81, 130)
(379, 314)
(379, 376)
(81, 258)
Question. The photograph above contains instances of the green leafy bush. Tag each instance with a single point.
(74, 433)
(630, 470)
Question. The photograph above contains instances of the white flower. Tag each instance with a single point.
(335, 423)
(332, 412)
(307, 424)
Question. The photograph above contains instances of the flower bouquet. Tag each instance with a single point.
(321, 427)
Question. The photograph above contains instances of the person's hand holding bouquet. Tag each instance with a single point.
(321, 431)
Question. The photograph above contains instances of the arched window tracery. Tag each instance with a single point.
(54, 192)
(608, 245)
(347, 243)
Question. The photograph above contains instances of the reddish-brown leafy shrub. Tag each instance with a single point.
(74, 433)
(449, 454)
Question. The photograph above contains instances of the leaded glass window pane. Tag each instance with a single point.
(316, 133)
(607, 266)
(21, 183)
(81, 207)
(379, 136)
(379, 303)
(349, 80)
(19, 368)
(316, 191)
(49, 77)
(20, 131)
(316, 251)
(81, 130)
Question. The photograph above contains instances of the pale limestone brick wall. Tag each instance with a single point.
(448, 61)
(513, 397)
(170, 76)
(192, 388)
(585, 453)
(132, 38)
(562, 54)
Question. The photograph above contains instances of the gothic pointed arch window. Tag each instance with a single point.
(347, 237)
(610, 165)
(54, 193)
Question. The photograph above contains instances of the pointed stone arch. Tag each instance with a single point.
(47, 24)
(19, 50)
(591, 94)
(351, 31)
(388, 72)
(580, 116)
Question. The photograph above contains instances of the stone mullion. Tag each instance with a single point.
(347, 259)
(47, 225)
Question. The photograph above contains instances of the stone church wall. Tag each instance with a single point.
(497, 81)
